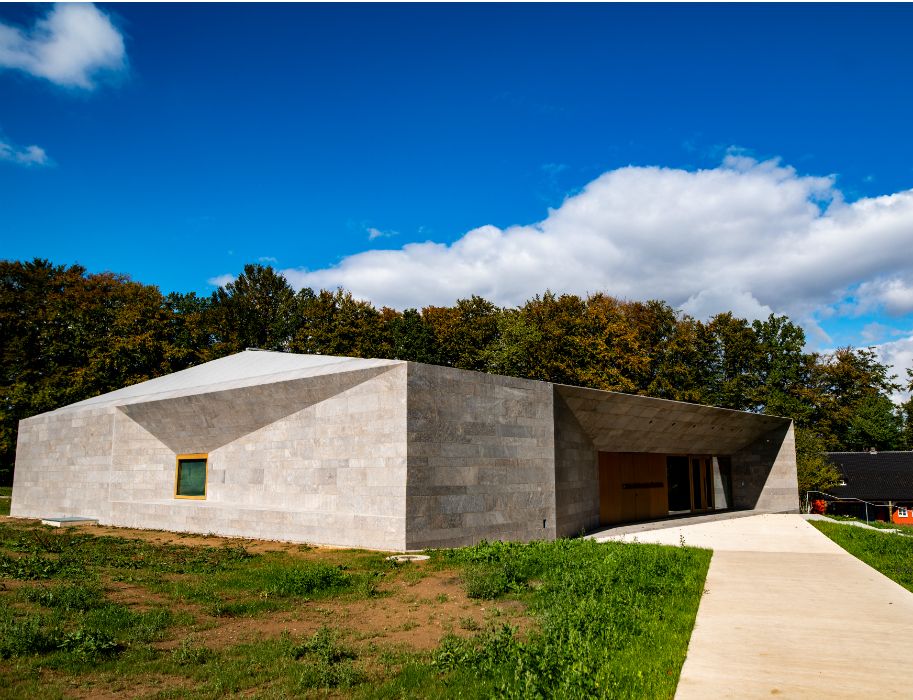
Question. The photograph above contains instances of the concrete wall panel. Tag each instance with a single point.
(576, 474)
(63, 464)
(333, 472)
(481, 458)
(764, 474)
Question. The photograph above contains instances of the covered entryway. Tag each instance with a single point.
(634, 486)
(630, 459)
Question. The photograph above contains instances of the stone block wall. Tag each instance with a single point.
(63, 461)
(396, 456)
(330, 470)
(481, 458)
(576, 474)
(764, 474)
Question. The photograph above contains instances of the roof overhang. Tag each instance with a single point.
(627, 423)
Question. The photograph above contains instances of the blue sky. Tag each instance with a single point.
(486, 148)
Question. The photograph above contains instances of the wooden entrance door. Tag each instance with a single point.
(701, 484)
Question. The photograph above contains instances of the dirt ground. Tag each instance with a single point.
(416, 608)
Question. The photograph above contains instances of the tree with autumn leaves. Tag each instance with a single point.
(67, 334)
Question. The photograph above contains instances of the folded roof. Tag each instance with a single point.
(247, 368)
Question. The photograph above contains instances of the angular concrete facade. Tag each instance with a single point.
(380, 454)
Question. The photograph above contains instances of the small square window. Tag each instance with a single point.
(190, 479)
(902, 512)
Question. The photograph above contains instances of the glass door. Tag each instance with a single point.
(701, 484)
(678, 478)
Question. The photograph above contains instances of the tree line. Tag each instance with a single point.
(67, 335)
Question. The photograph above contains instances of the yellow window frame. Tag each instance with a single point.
(177, 474)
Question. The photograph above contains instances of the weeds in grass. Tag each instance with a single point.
(610, 620)
(69, 597)
(189, 653)
(307, 578)
(26, 636)
(88, 644)
(31, 568)
(327, 663)
(469, 624)
(615, 620)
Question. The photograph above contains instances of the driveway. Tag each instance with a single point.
(788, 613)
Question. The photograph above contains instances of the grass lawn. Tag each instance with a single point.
(891, 554)
(104, 611)
(6, 493)
(877, 524)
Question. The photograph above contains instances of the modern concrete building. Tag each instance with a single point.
(391, 455)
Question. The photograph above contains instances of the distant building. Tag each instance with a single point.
(876, 485)
(392, 455)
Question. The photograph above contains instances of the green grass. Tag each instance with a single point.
(888, 553)
(592, 620)
(877, 524)
(615, 618)
(6, 493)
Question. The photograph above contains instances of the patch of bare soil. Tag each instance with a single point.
(138, 597)
(193, 540)
(414, 610)
(420, 614)
(415, 616)
(132, 687)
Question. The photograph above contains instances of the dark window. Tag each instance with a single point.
(191, 477)
(679, 488)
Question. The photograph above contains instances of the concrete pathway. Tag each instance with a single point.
(788, 613)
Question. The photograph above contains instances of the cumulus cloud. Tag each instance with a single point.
(221, 280)
(898, 354)
(70, 46)
(30, 155)
(747, 236)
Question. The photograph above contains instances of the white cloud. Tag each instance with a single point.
(898, 354)
(375, 233)
(30, 155)
(69, 47)
(893, 294)
(874, 332)
(747, 236)
(266, 260)
(221, 280)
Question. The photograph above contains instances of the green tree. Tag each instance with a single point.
(685, 369)
(783, 369)
(258, 310)
(66, 335)
(841, 385)
(906, 413)
(814, 470)
(464, 332)
(654, 323)
(876, 423)
(189, 318)
(734, 359)
(410, 338)
(335, 323)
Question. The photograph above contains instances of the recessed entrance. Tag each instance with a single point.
(636, 486)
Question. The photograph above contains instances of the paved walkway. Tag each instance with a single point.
(788, 613)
